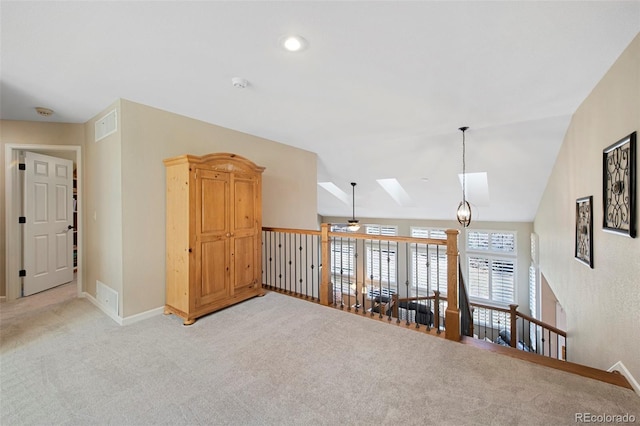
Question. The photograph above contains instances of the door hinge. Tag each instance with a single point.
(22, 166)
(22, 273)
(22, 219)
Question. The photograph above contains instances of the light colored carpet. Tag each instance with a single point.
(274, 360)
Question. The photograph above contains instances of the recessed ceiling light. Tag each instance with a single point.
(293, 43)
(45, 112)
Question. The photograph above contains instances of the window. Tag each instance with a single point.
(491, 266)
(343, 262)
(381, 257)
(533, 286)
(428, 262)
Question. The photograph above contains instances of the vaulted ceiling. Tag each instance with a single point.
(379, 92)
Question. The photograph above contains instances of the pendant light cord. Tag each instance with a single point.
(353, 200)
(464, 167)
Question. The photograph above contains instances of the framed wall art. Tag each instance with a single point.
(619, 187)
(584, 230)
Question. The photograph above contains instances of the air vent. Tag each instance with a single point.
(107, 297)
(107, 125)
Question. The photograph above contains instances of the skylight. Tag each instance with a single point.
(477, 188)
(335, 191)
(396, 191)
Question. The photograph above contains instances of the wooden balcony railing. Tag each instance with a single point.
(377, 276)
(362, 273)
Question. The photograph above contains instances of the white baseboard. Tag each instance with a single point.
(128, 320)
(3, 298)
(143, 316)
(619, 366)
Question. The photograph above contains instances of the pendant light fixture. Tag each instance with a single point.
(353, 223)
(464, 208)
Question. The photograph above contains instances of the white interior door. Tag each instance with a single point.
(48, 236)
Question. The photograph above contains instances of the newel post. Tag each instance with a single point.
(452, 314)
(513, 309)
(326, 290)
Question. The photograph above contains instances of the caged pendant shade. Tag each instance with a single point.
(353, 224)
(464, 208)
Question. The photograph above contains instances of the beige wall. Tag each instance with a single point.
(150, 135)
(103, 217)
(602, 304)
(124, 190)
(31, 133)
(523, 238)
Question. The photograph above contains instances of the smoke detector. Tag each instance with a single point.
(45, 112)
(239, 83)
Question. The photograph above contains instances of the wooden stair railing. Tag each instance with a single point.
(517, 330)
(466, 314)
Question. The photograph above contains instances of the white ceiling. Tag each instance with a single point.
(379, 93)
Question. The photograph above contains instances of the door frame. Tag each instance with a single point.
(13, 243)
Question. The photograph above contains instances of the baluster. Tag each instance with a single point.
(408, 298)
(380, 277)
(370, 258)
(306, 266)
(350, 280)
(427, 267)
(355, 268)
(279, 262)
(297, 255)
(437, 313)
(387, 307)
(316, 260)
(289, 282)
(268, 258)
(341, 273)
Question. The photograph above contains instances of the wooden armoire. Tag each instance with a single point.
(213, 236)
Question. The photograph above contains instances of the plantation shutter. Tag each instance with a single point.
(429, 263)
(478, 277)
(381, 255)
(502, 281)
(478, 240)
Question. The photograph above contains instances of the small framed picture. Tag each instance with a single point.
(619, 187)
(584, 230)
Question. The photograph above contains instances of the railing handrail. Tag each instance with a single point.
(291, 231)
(395, 239)
(483, 306)
(409, 299)
(360, 236)
(523, 316)
(542, 324)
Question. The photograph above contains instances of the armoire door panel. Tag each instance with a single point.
(244, 261)
(213, 282)
(244, 204)
(213, 203)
